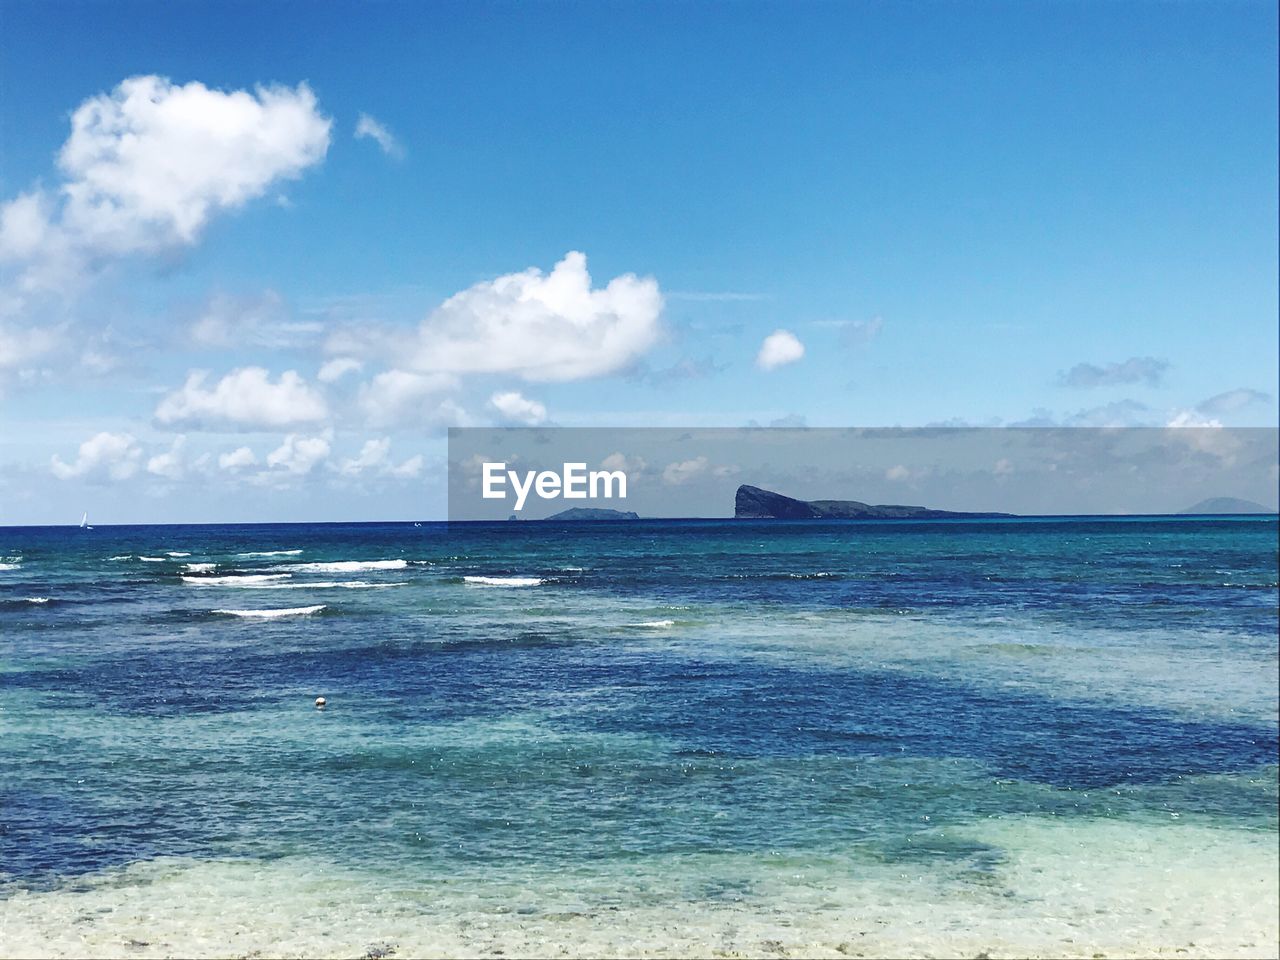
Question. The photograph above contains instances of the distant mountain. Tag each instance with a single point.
(593, 513)
(1227, 505)
(753, 503)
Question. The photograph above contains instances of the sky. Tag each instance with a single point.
(256, 259)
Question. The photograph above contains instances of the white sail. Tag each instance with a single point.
(84, 521)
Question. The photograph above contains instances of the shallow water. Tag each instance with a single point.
(651, 738)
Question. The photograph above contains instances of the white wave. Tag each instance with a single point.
(349, 566)
(654, 624)
(200, 567)
(123, 556)
(37, 599)
(334, 584)
(269, 553)
(272, 614)
(177, 553)
(9, 566)
(241, 580)
(152, 559)
(505, 581)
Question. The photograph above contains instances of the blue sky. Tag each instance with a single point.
(981, 213)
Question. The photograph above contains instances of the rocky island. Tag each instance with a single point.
(753, 503)
(591, 513)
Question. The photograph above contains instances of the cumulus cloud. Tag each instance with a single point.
(104, 456)
(240, 458)
(299, 455)
(148, 165)
(243, 399)
(169, 464)
(399, 396)
(540, 327)
(1148, 370)
(337, 368)
(375, 458)
(1231, 401)
(369, 128)
(620, 461)
(515, 408)
(778, 349)
(22, 346)
(685, 470)
(1189, 418)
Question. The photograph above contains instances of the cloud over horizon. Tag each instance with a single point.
(1145, 370)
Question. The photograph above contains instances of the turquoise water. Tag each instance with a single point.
(817, 738)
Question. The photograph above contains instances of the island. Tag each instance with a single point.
(591, 513)
(1226, 505)
(753, 503)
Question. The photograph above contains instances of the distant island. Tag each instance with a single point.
(592, 513)
(1220, 505)
(753, 503)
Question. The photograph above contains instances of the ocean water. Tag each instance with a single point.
(734, 738)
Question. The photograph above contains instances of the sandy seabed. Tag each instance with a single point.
(1063, 889)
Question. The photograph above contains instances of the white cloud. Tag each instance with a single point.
(368, 127)
(684, 471)
(541, 327)
(778, 349)
(243, 399)
(399, 395)
(1148, 370)
(104, 456)
(1189, 418)
(372, 455)
(299, 455)
(337, 368)
(261, 321)
(240, 458)
(1232, 401)
(620, 461)
(409, 469)
(22, 346)
(375, 457)
(515, 408)
(897, 473)
(149, 164)
(169, 464)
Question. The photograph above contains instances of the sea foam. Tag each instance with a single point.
(273, 614)
(349, 566)
(239, 580)
(334, 584)
(504, 581)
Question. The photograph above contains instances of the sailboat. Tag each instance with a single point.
(84, 521)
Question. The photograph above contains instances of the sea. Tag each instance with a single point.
(1031, 737)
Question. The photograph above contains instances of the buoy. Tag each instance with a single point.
(320, 702)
